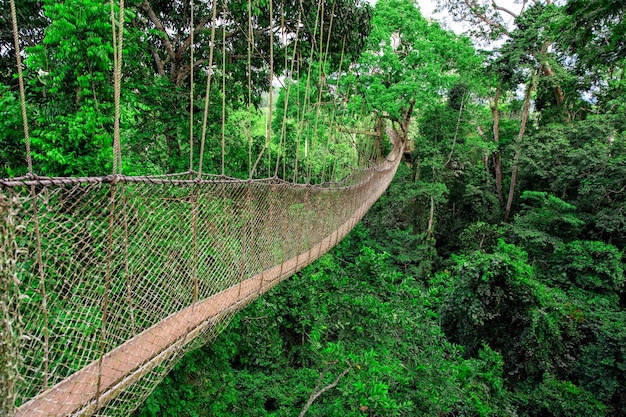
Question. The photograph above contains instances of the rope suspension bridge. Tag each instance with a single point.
(107, 281)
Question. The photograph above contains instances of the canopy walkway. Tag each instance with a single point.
(107, 281)
(136, 271)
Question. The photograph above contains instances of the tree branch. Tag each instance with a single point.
(196, 31)
(158, 61)
(456, 132)
(184, 71)
(502, 9)
(317, 392)
(155, 20)
(484, 18)
(523, 6)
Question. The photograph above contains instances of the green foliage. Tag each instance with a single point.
(601, 365)
(72, 76)
(594, 31)
(409, 60)
(544, 222)
(492, 295)
(559, 399)
(589, 265)
(12, 154)
(480, 236)
(395, 224)
(496, 300)
(584, 164)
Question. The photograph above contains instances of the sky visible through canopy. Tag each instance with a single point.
(427, 7)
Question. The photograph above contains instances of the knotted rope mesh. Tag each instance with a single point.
(138, 270)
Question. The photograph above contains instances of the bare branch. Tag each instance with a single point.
(155, 20)
(317, 392)
(484, 18)
(503, 9)
(523, 6)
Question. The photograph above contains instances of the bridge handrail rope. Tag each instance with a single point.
(109, 279)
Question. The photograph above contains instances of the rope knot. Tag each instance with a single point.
(112, 179)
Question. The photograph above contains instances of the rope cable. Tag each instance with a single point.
(271, 99)
(283, 133)
(194, 193)
(248, 125)
(334, 112)
(318, 16)
(29, 162)
(191, 87)
(223, 88)
(319, 91)
(295, 168)
(20, 78)
(322, 70)
(117, 81)
(283, 139)
(208, 88)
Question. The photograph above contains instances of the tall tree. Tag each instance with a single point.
(409, 62)
(524, 57)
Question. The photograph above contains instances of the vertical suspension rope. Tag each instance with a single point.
(318, 16)
(117, 170)
(129, 287)
(331, 120)
(324, 58)
(295, 166)
(191, 89)
(223, 88)
(20, 77)
(107, 287)
(117, 82)
(194, 193)
(245, 244)
(282, 145)
(269, 123)
(283, 132)
(321, 69)
(208, 88)
(248, 125)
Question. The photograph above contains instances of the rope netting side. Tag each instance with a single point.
(10, 321)
(128, 292)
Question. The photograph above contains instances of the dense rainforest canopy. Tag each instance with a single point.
(487, 281)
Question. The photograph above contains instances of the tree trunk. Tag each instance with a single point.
(487, 174)
(559, 94)
(431, 216)
(518, 149)
(497, 161)
(406, 122)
